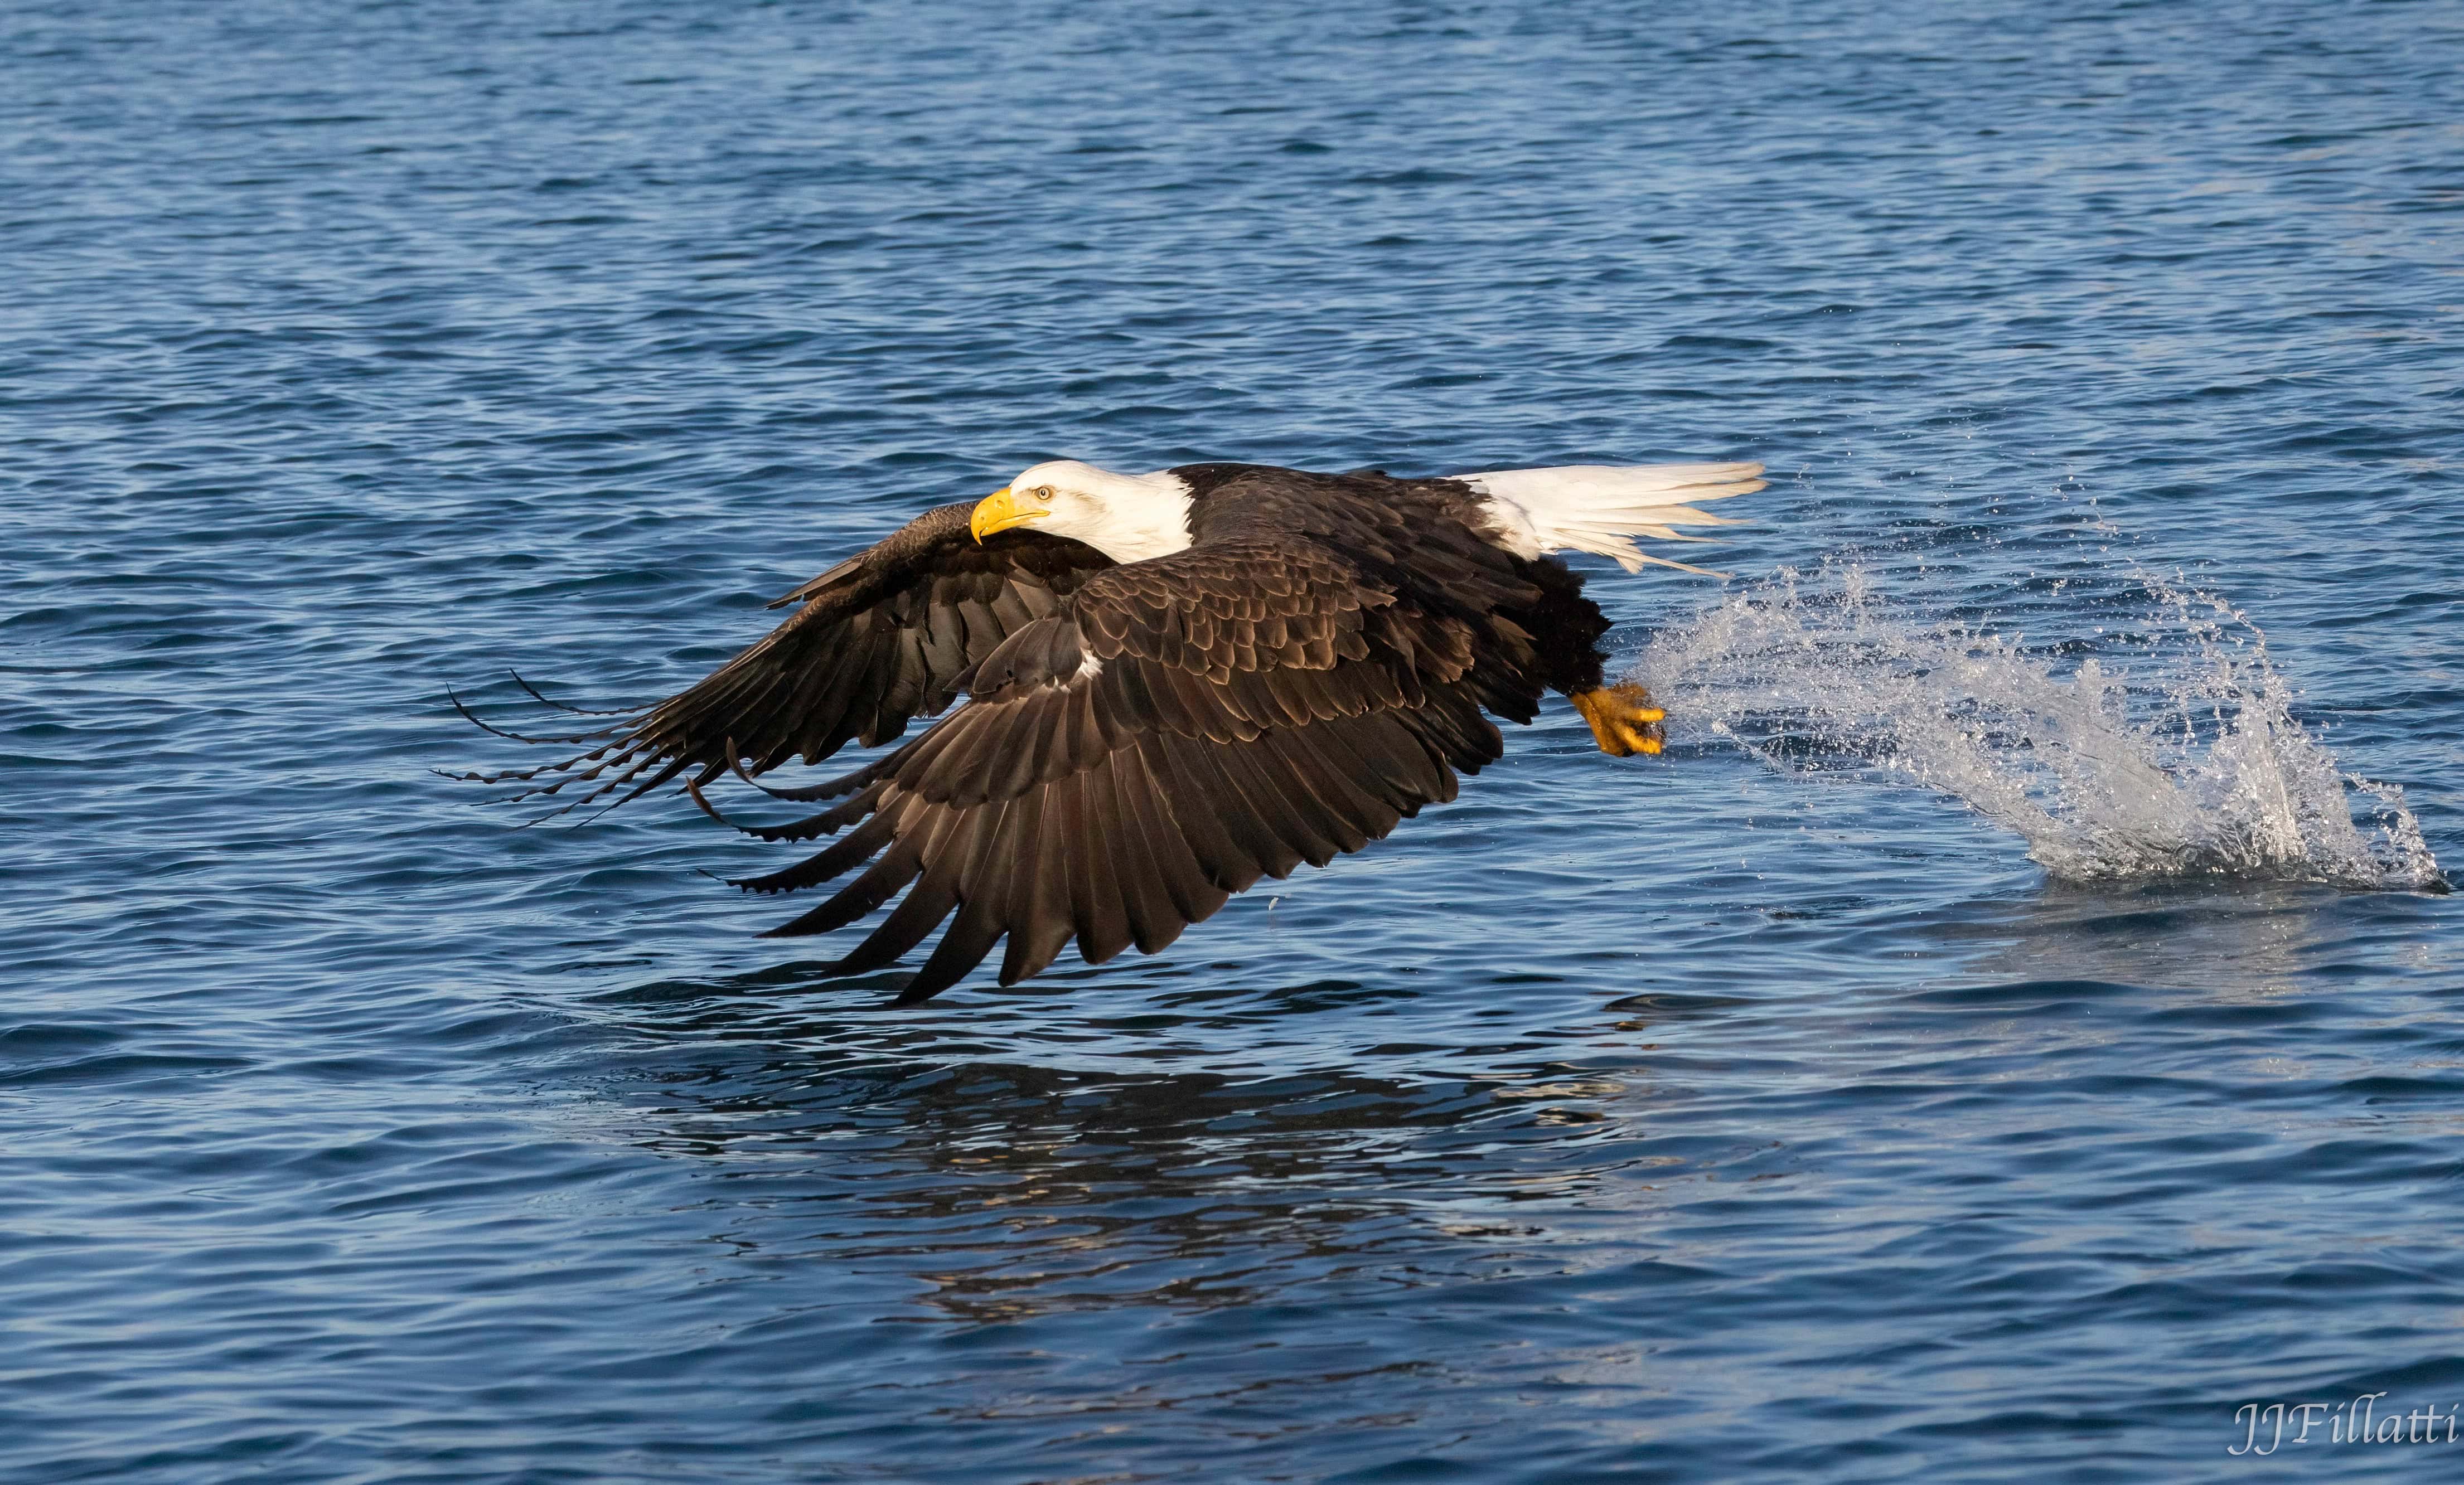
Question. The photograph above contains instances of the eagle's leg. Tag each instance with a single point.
(1624, 720)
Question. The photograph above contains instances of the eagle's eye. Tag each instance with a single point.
(1043, 493)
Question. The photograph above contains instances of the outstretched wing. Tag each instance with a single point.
(1178, 729)
(882, 638)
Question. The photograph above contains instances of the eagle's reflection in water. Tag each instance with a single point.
(1009, 1162)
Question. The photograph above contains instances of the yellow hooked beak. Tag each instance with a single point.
(1004, 509)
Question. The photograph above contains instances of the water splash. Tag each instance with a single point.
(2191, 763)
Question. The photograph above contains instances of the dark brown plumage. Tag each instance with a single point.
(1140, 740)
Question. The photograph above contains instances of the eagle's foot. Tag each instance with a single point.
(1624, 720)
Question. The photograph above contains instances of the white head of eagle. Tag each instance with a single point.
(1128, 517)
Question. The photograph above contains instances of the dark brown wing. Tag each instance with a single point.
(1178, 729)
(880, 639)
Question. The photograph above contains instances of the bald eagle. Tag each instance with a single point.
(1176, 684)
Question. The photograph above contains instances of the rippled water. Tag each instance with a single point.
(1798, 1104)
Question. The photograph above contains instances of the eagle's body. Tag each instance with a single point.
(1176, 684)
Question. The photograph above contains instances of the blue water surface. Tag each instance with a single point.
(1667, 1118)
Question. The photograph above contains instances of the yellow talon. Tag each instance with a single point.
(1623, 719)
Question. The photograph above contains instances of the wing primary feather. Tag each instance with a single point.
(827, 865)
(1197, 798)
(476, 720)
(971, 935)
(1152, 919)
(1009, 886)
(1040, 927)
(880, 882)
(1382, 756)
(908, 924)
(828, 822)
(880, 677)
(844, 783)
(973, 873)
(523, 776)
(1270, 821)
(1183, 880)
(1104, 919)
(1349, 816)
(566, 706)
(1317, 818)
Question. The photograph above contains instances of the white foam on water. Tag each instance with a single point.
(2189, 763)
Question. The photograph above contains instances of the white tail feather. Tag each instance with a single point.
(1601, 507)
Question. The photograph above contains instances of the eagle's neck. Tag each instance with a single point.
(1138, 516)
